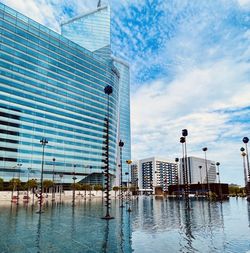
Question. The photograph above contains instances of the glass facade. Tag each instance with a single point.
(52, 88)
(92, 31)
(124, 113)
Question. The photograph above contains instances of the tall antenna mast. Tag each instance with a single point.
(99, 4)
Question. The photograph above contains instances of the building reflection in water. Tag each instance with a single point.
(118, 238)
(38, 233)
(248, 212)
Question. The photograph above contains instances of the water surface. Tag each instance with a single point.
(154, 225)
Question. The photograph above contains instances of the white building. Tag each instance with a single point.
(197, 170)
(153, 172)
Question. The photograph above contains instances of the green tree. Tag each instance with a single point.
(47, 184)
(14, 183)
(116, 189)
(98, 187)
(1, 184)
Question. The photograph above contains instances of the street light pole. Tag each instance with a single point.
(178, 177)
(200, 167)
(218, 174)
(29, 170)
(43, 141)
(208, 186)
(108, 90)
(53, 179)
(19, 165)
(246, 140)
(244, 165)
(74, 185)
(121, 144)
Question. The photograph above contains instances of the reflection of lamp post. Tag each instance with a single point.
(43, 141)
(208, 186)
(53, 179)
(246, 140)
(108, 90)
(121, 144)
(218, 174)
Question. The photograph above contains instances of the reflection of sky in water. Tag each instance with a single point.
(155, 225)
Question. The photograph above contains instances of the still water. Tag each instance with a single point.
(154, 225)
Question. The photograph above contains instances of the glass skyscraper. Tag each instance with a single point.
(53, 88)
(92, 30)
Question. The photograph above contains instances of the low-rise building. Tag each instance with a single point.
(155, 172)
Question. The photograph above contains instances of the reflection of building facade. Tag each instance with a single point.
(54, 88)
(197, 170)
(92, 30)
(154, 172)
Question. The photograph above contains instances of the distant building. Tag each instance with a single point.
(134, 174)
(154, 172)
(197, 170)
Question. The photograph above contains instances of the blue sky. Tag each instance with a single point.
(190, 68)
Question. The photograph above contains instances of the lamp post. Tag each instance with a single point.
(128, 192)
(29, 170)
(218, 174)
(185, 164)
(244, 164)
(43, 141)
(19, 165)
(61, 177)
(246, 140)
(200, 167)
(121, 144)
(108, 90)
(74, 185)
(208, 186)
(53, 179)
(178, 183)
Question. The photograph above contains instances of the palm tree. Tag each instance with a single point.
(14, 184)
(1, 184)
(47, 184)
(97, 187)
(116, 189)
(32, 184)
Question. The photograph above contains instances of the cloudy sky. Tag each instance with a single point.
(190, 68)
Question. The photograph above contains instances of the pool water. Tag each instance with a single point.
(154, 225)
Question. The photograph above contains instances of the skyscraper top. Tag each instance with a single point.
(99, 4)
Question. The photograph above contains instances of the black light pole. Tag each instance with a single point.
(208, 186)
(178, 171)
(182, 141)
(246, 140)
(108, 90)
(19, 165)
(200, 167)
(244, 164)
(61, 186)
(43, 141)
(188, 179)
(53, 179)
(29, 170)
(74, 185)
(218, 174)
(121, 144)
